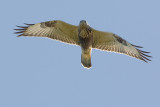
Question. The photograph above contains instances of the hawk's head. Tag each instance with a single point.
(83, 24)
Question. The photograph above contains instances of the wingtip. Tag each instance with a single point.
(19, 35)
(143, 54)
(145, 59)
(28, 24)
(137, 46)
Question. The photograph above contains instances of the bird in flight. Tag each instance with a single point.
(84, 36)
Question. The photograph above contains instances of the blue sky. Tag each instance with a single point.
(39, 72)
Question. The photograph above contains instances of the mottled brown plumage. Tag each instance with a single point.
(83, 36)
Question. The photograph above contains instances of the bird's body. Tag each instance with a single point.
(86, 40)
(85, 37)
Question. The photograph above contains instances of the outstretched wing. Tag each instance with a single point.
(58, 30)
(110, 42)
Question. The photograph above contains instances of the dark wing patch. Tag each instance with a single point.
(48, 24)
(120, 40)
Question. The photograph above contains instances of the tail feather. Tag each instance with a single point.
(86, 60)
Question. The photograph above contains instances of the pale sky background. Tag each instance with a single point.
(39, 72)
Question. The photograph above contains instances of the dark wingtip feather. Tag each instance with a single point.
(143, 51)
(18, 32)
(28, 24)
(137, 46)
(143, 54)
(143, 60)
(18, 29)
(24, 27)
(19, 35)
